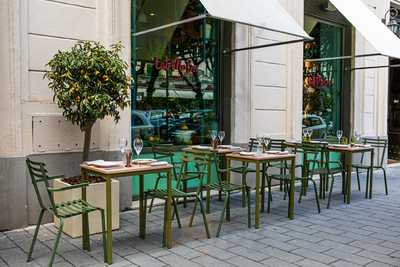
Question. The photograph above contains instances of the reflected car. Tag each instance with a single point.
(315, 123)
(141, 125)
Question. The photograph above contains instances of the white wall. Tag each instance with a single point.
(37, 29)
(268, 83)
(371, 86)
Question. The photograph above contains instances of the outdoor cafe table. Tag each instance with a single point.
(348, 152)
(258, 160)
(135, 170)
(209, 153)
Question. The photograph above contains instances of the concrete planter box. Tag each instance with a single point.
(96, 196)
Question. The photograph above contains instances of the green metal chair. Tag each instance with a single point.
(310, 152)
(380, 146)
(62, 211)
(226, 189)
(244, 168)
(164, 153)
(177, 192)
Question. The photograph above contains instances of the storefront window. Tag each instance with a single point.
(175, 71)
(322, 79)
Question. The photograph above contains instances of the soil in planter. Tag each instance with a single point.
(79, 179)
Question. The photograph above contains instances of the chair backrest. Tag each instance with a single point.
(199, 163)
(39, 174)
(165, 152)
(380, 146)
(331, 139)
(252, 143)
(310, 153)
(277, 144)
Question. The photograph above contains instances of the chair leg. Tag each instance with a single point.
(203, 212)
(53, 254)
(184, 190)
(35, 234)
(222, 217)
(244, 190)
(103, 229)
(367, 184)
(176, 213)
(330, 192)
(316, 195)
(301, 191)
(269, 195)
(248, 192)
(165, 222)
(358, 179)
(285, 189)
(155, 187)
(385, 180)
(193, 212)
(85, 233)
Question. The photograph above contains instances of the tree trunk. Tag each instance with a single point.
(86, 144)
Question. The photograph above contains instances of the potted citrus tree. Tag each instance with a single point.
(89, 82)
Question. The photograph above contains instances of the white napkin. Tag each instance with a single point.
(159, 163)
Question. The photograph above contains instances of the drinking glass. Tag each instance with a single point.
(358, 137)
(305, 133)
(265, 142)
(123, 144)
(339, 135)
(259, 138)
(221, 136)
(213, 136)
(138, 145)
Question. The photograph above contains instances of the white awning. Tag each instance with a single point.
(370, 26)
(264, 14)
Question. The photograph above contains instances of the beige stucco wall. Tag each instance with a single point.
(268, 83)
(35, 30)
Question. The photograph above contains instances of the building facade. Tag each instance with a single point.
(245, 93)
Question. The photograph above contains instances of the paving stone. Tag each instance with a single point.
(274, 262)
(344, 264)
(286, 246)
(188, 253)
(174, 260)
(208, 261)
(310, 263)
(379, 264)
(6, 243)
(339, 246)
(347, 256)
(142, 259)
(15, 257)
(314, 255)
(379, 257)
(372, 247)
(79, 258)
(256, 255)
(282, 255)
(242, 261)
(215, 252)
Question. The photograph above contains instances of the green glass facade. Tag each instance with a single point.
(322, 95)
(175, 71)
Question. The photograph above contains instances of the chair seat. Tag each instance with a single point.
(226, 187)
(364, 166)
(73, 208)
(163, 194)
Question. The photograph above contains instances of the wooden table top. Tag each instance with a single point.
(136, 168)
(350, 148)
(261, 157)
(221, 151)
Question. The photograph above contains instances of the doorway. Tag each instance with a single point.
(394, 112)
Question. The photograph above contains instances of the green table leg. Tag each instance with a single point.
(257, 212)
(349, 159)
(371, 173)
(168, 221)
(142, 219)
(109, 219)
(208, 196)
(85, 221)
(291, 192)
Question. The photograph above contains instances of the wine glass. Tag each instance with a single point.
(221, 136)
(305, 133)
(339, 134)
(265, 141)
(213, 136)
(138, 145)
(310, 133)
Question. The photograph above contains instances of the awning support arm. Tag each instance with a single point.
(374, 67)
(342, 57)
(225, 51)
(171, 25)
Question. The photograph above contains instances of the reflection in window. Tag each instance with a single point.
(175, 73)
(322, 79)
